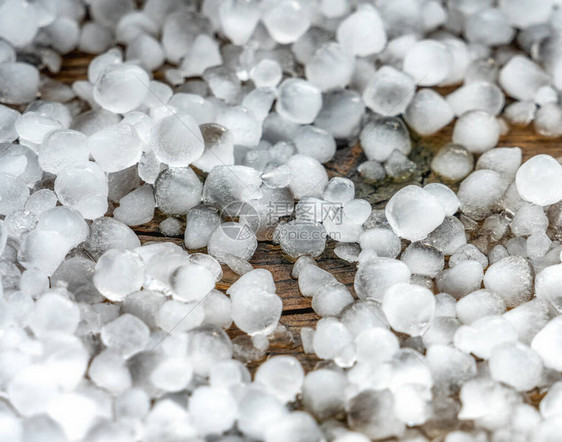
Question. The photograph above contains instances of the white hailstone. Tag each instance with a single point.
(63, 148)
(201, 222)
(234, 239)
(332, 340)
(83, 188)
(409, 308)
(172, 374)
(99, 63)
(480, 192)
(108, 370)
(203, 54)
(298, 101)
(118, 273)
(512, 279)
(8, 119)
(13, 194)
(525, 13)
(453, 162)
(521, 78)
(339, 190)
(54, 312)
(489, 27)
(238, 19)
(477, 131)
(382, 240)
(414, 213)
(479, 304)
(331, 300)
(479, 95)
(299, 237)
(137, 207)
(375, 276)
(539, 180)
(19, 83)
(115, 147)
(176, 317)
(315, 142)
(548, 345)
(462, 279)
(341, 113)
(504, 160)
(127, 335)
(441, 331)
(282, 376)
(286, 20)
(177, 190)
(381, 137)
(516, 365)
(450, 367)
(428, 112)
(255, 310)
(258, 411)
(146, 50)
(121, 88)
(481, 336)
(177, 140)
(94, 38)
(308, 176)
(43, 250)
(376, 345)
(323, 392)
(548, 120)
(217, 309)
(267, 73)
(18, 22)
(547, 285)
(213, 410)
(520, 113)
(423, 259)
(389, 92)
(371, 412)
(76, 413)
(65, 221)
(428, 62)
(292, 426)
(191, 282)
(202, 110)
(244, 126)
(445, 196)
(331, 67)
(551, 403)
(363, 32)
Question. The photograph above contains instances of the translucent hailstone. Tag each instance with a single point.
(108, 370)
(547, 344)
(127, 335)
(218, 147)
(375, 276)
(294, 425)
(256, 311)
(479, 304)
(468, 252)
(428, 62)
(83, 188)
(298, 101)
(315, 142)
(520, 113)
(480, 192)
(191, 282)
(43, 250)
(177, 189)
(245, 127)
(332, 340)
(460, 280)
(286, 20)
(176, 317)
(504, 160)
(380, 137)
(238, 19)
(521, 13)
(548, 120)
(520, 78)
(550, 404)
(409, 308)
(453, 162)
(428, 112)
(308, 176)
(477, 131)
(547, 286)
(323, 392)
(282, 376)
(423, 259)
(489, 27)
(54, 312)
(19, 23)
(8, 118)
(382, 240)
(512, 279)
(362, 33)
(371, 413)
(177, 140)
(516, 365)
(298, 238)
(478, 95)
(330, 67)
(118, 273)
(107, 233)
(258, 411)
(13, 194)
(116, 147)
(63, 148)
(413, 213)
(121, 88)
(539, 180)
(481, 336)
(266, 73)
(232, 238)
(389, 92)
(137, 207)
(213, 410)
(203, 54)
(341, 113)
(19, 82)
(445, 196)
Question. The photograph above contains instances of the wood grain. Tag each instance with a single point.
(297, 311)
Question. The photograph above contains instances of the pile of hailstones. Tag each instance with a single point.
(105, 339)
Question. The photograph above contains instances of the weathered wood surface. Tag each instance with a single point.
(297, 311)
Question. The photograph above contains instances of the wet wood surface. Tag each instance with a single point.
(297, 311)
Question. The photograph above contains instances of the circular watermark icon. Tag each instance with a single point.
(243, 220)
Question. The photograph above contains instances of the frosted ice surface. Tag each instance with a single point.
(409, 308)
(362, 33)
(121, 88)
(453, 162)
(477, 131)
(286, 20)
(539, 180)
(428, 62)
(428, 112)
(118, 273)
(19, 82)
(127, 335)
(330, 67)
(380, 137)
(298, 101)
(389, 92)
